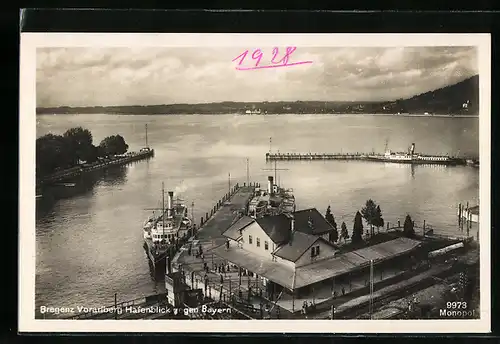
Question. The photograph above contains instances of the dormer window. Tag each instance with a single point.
(314, 251)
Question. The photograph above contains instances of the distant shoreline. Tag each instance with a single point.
(264, 115)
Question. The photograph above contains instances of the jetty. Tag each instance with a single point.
(376, 157)
(101, 164)
(144, 153)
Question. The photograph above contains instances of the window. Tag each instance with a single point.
(258, 242)
(266, 245)
(250, 239)
(315, 251)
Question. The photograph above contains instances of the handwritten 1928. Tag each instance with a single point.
(257, 55)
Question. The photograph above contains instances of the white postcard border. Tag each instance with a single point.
(27, 121)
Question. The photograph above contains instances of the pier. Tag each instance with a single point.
(60, 176)
(353, 156)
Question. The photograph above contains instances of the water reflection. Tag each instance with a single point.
(114, 176)
(78, 186)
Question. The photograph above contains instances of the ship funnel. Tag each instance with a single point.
(270, 184)
(412, 149)
(170, 203)
(292, 229)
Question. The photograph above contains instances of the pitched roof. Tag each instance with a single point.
(234, 231)
(350, 261)
(310, 221)
(277, 227)
(300, 244)
(318, 271)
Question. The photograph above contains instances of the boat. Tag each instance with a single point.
(163, 231)
(411, 157)
(271, 201)
(253, 112)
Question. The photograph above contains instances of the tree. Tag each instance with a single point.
(52, 152)
(113, 145)
(343, 232)
(333, 236)
(369, 213)
(408, 229)
(378, 221)
(80, 142)
(357, 229)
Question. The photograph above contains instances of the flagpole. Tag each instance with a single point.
(371, 288)
(293, 290)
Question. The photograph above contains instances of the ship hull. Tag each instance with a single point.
(157, 258)
(450, 162)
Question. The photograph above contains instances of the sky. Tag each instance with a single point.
(151, 76)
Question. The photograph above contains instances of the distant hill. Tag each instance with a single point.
(458, 99)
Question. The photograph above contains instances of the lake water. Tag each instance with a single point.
(89, 245)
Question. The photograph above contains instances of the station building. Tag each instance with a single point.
(291, 253)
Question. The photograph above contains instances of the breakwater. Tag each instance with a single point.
(100, 165)
(368, 157)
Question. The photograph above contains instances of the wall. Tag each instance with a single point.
(325, 236)
(325, 251)
(256, 232)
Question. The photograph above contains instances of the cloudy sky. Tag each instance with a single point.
(146, 76)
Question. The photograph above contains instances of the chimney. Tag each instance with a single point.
(412, 149)
(168, 266)
(292, 230)
(170, 203)
(270, 185)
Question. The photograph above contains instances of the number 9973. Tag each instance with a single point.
(456, 305)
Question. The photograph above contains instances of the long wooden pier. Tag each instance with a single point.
(79, 170)
(320, 156)
(360, 156)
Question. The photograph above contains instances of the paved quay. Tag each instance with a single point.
(209, 235)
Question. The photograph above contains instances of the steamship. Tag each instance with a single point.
(271, 201)
(411, 157)
(162, 231)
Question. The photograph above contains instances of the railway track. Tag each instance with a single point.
(363, 308)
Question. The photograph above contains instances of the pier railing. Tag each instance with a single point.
(78, 170)
(344, 156)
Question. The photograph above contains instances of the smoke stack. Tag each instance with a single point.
(168, 266)
(412, 149)
(292, 229)
(170, 203)
(270, 185)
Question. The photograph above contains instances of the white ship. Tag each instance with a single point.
(165, 229)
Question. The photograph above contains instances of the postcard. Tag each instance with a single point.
(287, 183)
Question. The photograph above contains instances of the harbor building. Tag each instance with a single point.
(291, 258)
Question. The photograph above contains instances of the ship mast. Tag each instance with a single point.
(386, 145)
(163, 207)
(147, 136)
(248, 174)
